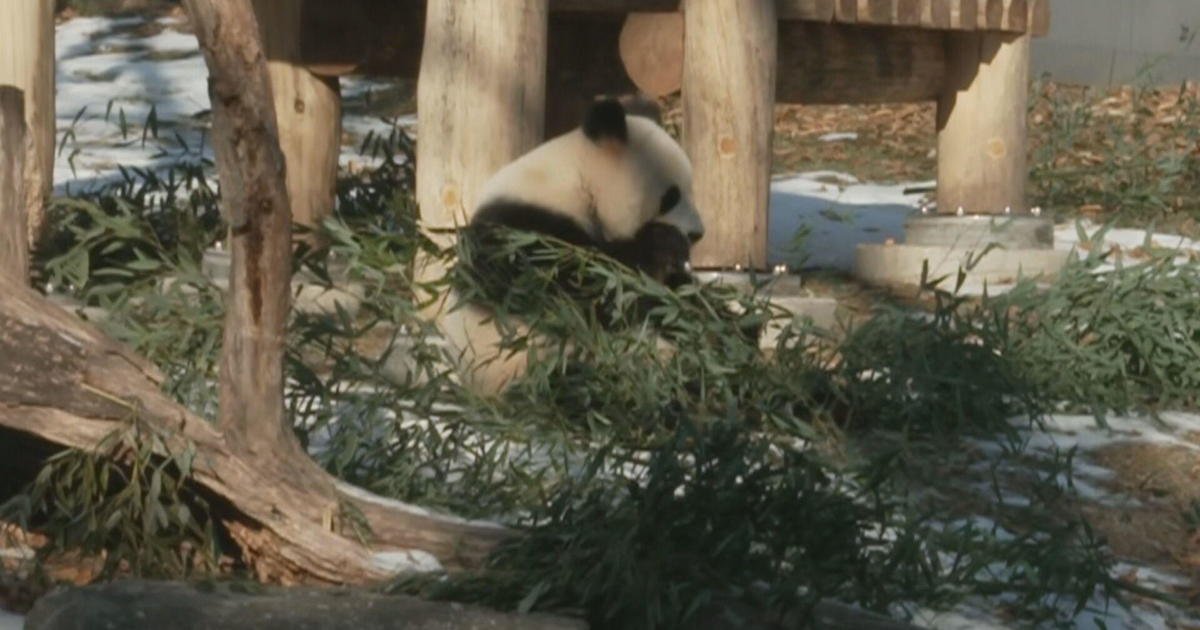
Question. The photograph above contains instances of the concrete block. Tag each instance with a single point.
(895, 265)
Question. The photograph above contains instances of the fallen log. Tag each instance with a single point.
(63, 381)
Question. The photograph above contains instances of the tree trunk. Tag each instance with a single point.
(14, 250)
(27, 62)
(254, 201)
(63, 381)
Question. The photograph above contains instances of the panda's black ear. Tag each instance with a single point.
(605, 120)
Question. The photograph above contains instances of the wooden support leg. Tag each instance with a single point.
(730, 55)
(14, 250)
(480, 98)
(308, 110)
(981, 124)
(27, 62)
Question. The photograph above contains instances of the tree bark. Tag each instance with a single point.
(254, 201)
(14, 250)
(65, 382)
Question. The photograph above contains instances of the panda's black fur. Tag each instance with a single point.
(617, 184)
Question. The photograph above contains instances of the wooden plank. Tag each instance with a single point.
(938, 13)
(909, 12)
(610, 6)
(811, 10)
(876, 11)
(846, 11)
(832, 64)
(1039, 17)
(963, 14)
(1016, 16)
(990, 14)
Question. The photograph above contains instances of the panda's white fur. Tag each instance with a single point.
(614, 186)
(608, 186)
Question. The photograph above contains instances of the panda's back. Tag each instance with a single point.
(548, 180)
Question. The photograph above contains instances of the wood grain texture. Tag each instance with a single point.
(14, 235)
(981, 124)
(27, 62)
(65, 382)
(651, 47)
(819, 63)
(483, 76)
(308, 112)
(728, 118)
(832, 64)
(254, 201)
(998, 15)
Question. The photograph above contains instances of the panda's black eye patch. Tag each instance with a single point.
(669, 200)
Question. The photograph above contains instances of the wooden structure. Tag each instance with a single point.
(14, 237)
(27, 63)
(483, 80)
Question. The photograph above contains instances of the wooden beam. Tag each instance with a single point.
(27, 62)
(812, 10)
(831, 64)
(981, 124)
(998, 15)
(819, 63)
(728, 117)
(14, 235)
(1039, 17)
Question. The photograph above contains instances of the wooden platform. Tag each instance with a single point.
(524, 71)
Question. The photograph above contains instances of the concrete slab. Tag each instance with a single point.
(785, 291)
(896, 265)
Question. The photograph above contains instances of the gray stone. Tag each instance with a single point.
(138, 605)
(895, 265)
(979, 231)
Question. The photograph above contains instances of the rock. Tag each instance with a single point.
(149, 605)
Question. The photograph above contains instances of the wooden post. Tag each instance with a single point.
(981, 123)
(27, 62)
(14, 236)
(728, 117)
(308, 110)
(480, 98)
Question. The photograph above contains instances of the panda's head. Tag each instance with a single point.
(636, 174)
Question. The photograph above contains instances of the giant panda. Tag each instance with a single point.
(618, 183)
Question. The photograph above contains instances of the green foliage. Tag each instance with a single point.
(128, 503)
(1121, 340)
(657, 488)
